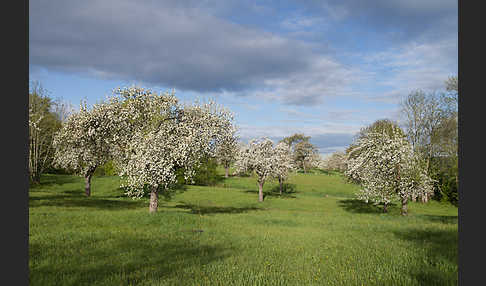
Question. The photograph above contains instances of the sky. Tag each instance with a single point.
(322, 68)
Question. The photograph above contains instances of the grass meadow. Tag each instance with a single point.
(315, 234)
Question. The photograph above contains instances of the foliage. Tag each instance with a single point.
(107, 169)
(305, 154)
(206, 173)
(445, 176)
(294, 139)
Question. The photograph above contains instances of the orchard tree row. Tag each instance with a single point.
(150, 137)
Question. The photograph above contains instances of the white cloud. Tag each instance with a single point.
(413, 66)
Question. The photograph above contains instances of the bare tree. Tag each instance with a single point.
(43, 124)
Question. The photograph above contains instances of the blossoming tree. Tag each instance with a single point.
(283, 163)
(258, 156)
(387, 168)
(267, 161)
(173, 137)
(227, 149)
(88, 138)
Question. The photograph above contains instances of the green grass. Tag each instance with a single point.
(222, 236)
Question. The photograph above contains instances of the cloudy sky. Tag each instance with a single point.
(322, 68)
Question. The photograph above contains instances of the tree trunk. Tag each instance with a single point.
(385, 207)
(226, 171)
(87, 179)
(280, 181)
(414, 199)
(87, 186)
(404, 206)
(260, 191)
(425, 198)
(35, 178)
(303, 165)
(154, 200)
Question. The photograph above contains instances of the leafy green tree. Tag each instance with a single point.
(295, 138)
(304, 153)
(206, 173)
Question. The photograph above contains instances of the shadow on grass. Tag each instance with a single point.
(358, 206)
(132, 260)
(439, 267)
(208, 181)
(49, 180)
(445, 219)
(195, 209)
(76, 198)
(287, 191)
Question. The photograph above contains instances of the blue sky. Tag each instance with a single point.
(322, 68)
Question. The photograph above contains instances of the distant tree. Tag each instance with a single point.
(387, 168)
(43, 124)
(227, 149)
(414, 107)
(321, 163)
(206, 174)
(304, 154)
(336, 162)
(452, 85)
(295, 138)
(259, 157)
(283, 163)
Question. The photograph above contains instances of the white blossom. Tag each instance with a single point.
(387, 168)
(267, 162)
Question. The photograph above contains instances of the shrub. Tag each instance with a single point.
(206, 174)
